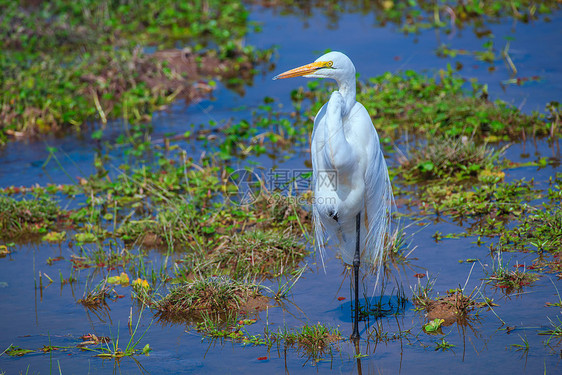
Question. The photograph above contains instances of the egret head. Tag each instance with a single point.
(334, 65)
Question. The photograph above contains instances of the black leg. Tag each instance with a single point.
(356, 264)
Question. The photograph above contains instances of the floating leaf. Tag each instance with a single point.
(4, 250)
(85, 237)
(434, 325)
(54, 237)
(113, 280)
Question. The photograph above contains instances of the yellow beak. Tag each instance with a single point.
(304, 70)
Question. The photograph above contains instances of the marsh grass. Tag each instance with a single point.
(447, 157)
(96, 299)
(486, 209)
(379, 306)
(399, 248)
(421, 293)
(266, 253)
(16, 351)
(229, 327)
(180, 207)
(109, 254)
(540, 231)
(314, 341)
(26, 216)
(455, 306)
(509, 280)
(524, 346)
(377, 333)
(110, 348)
(555, 332)
(413, 17)
(218, 295)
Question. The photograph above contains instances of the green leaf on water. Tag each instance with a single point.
(97, 134)
(433, 325)
(85, 237)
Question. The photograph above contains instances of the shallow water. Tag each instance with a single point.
(33, 317)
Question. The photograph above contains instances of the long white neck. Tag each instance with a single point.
(347, 88)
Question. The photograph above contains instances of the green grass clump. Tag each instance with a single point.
(266, 253)
(487, 206)
(539, 231)
(212, 295)
(313, 340)
(20, 217)
(449, 157)
(96, 299)
(509, 280)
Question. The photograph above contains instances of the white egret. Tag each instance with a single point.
(353, 196)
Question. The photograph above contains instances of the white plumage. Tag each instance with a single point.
(353, 197)
(350, 175)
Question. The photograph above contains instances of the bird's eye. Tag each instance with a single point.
(329, 64)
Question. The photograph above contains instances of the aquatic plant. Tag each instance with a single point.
(16, 351)
(211, 295)
(510, 280)
(313, 341)
(110, 348)
(26, 216)
(540, 231)
(555, 331)
(524, 346)
(96, 298)
(444, 345)
(233, 329)
(267, 253)
(449, 158)
(377, 333)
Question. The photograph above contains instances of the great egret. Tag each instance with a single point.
(353, 196)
